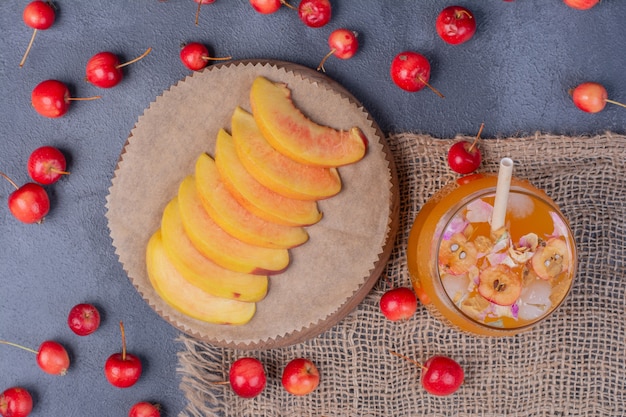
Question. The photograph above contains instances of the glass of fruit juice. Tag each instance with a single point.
(491, 282)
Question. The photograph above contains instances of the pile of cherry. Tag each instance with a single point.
(409, 70)
(30, 203)
(121, 369)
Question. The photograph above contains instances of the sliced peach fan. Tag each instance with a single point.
(290, 132)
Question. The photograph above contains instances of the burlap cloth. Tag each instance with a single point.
(571, 365)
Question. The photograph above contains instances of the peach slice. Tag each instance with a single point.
(290, 132)
(199, 270)
(187, 298)
(550, 260)
(217, 245)
(500, 285)
(257, 198)
(457, 255)
(277, 171)
(234, 218)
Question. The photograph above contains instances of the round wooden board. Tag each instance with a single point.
(330, 274)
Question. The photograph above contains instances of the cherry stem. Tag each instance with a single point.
(30, 44)
(471, 148)
(132, 61)
(414, 362)
(460, 13)
(84, 98)
(219, 382)
(123, 341)
(19, 346)
(198, 12)
(59, 171)
(288, 5)
(221, 58)
(6, 177)
(615, 102)
(328, 55)
(430, 86)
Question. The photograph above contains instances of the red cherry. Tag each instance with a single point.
(38, 15)
(52, 357)
(315, 13)
(343, 44)
(455, 25)
(83, 319)
(398, 303)
(144, 409)
(268, 6)
(247, 377)
(15, 402)
(51, 98)
(300, 377)
(442, 375)
(122, 369)
(195, 56)
(465, 157)
(411, 71)
(104, 69)
(591, 97)
(46, 165)
(581, 4)
(29, 203)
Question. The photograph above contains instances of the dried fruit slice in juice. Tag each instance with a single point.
(500, 285)
(550, 260)
(457, 255)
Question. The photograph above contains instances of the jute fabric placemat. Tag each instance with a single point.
(571, 365)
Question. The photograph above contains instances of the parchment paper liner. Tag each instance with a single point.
(330, 274)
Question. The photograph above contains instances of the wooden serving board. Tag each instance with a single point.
(330, 274)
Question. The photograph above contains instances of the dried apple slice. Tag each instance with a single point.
(290, 132)
(550, 260)
(457, 255)
(277, 171)
(219, 246)
(257, 198)
(500, 285)
(235, 219)
(199, 270)
(187, 298)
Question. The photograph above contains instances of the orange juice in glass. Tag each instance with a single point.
(491, 282)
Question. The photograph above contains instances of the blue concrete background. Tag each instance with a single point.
(513, 76)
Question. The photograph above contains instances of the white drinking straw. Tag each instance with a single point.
(502, 194)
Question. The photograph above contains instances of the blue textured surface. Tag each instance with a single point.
(513, 76)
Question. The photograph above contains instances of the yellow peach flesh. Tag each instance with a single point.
(200, 271)
(289, 131)
(254, 196)
(277, 171)
(187, 298)
(235, 219)
(217, 245)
